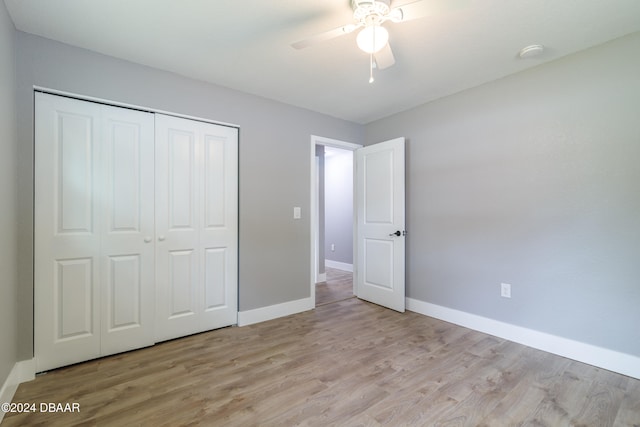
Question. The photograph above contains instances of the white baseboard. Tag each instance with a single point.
(322, 277)
(21, 372)
(338, 265)
(611, 360)
(263, 314)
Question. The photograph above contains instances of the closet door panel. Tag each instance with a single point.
(72, 293)
(182, 284)
(123, 293)
(214, 182)
(74, 170)
(127, 245)
(66, 232)
(177, 267)
(94, 225)
(214, 278)
(181, 170)
(220, 225)
(196, 225)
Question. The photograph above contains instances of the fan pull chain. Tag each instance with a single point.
(371, 79)
(373, 36)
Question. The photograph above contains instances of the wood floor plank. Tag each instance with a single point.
(539, 372)
(629, 411)
(337, 287)
(347, 363)
(487, 386)
(600, 405)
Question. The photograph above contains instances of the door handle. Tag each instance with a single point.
(397, 233)
(147, 239)
(161, 238)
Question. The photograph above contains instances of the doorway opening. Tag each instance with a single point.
(332, 220)
(338, 286)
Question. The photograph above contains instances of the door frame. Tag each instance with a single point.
(313, 212)
(146, 109)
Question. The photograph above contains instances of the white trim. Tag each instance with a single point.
(611, 360)
(338, 265)
(315, 203)
(314, 223)
(21, 372)
(125, 105)
(263, 314)
(27, 370)
(321, 140)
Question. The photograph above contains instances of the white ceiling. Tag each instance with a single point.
(246, 44)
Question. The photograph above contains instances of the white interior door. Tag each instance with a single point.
(218, 238)
(66, 235)
(127, 247)
(196, 226)
(93, 273)
(380, 270)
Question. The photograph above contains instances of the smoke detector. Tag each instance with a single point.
(531, 51)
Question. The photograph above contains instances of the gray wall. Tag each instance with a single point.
(274, 161)
(532, 180)
(339, 206)
(8, 195)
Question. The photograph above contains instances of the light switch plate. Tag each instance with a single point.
(505, 290)
(296, 213)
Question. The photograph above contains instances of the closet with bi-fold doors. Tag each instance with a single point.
(135, 229)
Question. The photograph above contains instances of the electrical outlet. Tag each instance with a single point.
(505, 290)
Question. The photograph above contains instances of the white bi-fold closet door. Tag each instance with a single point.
(135, 229)
(196, 226)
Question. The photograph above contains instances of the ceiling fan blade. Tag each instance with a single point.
(424, 8)
(384, 57)
(327, 35)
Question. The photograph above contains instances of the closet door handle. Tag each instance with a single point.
(147, 239)
(161, 238)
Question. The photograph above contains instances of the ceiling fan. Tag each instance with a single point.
(373, 38)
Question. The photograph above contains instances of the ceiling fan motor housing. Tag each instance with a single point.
(363, 9)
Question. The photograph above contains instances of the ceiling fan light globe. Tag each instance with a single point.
(372, 38)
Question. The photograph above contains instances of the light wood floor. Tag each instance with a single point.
(337, 287)
(349, 363)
